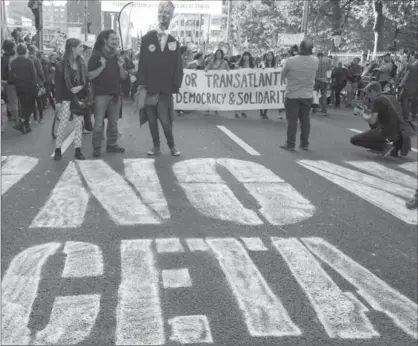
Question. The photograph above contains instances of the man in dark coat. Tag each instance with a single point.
(160, 72)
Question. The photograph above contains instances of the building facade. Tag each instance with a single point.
(54, 18)
(214, 28)
(76, 15)
(187, 28)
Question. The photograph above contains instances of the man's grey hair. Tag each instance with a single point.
(166, 3)
(306, 46)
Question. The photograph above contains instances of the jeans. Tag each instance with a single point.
(351, 91)
(337, 90)
(298, 109)
(164, 111)
(322, 87)
(27, 99)
(409, 105)
(110, 104)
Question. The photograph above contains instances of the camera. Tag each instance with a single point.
(358, 110)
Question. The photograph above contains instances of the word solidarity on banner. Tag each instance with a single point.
(231, 90)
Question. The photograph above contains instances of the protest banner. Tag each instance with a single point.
(235, 90)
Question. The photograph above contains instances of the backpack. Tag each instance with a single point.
(394, 70)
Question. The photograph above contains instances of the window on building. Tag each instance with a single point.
(197, 23)
(215, 32)
(182, 22)
(216, 21)
(188, 33)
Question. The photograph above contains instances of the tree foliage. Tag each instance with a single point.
(263, 20)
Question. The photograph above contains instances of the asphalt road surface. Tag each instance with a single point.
(235, 242)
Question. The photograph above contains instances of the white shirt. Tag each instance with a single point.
(162, 37)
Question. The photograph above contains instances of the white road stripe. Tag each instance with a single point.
(341, 314)
(71, 321)
(67, 142)
(83, 259)
(115, 195)
(280, 203)
(358, 131)
(253, 244)
(139, 318)
(381, 193)
(19, 290)
(382, 297)
(169, 245)
(14, 168)
(67, 204)
(190, 330)
(385, 173)
(239, 141)
(197, 244)
(411, 167)
(143, 175)
(176, 278)
(263, 311)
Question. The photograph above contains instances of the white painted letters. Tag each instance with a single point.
(83, 259)
(190, 330)
(342, 315)
(263, 312)
(208, 193)
(19, 291)
(377, 293)
(13, 169)
(139, 319)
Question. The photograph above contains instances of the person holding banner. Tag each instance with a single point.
(299, 71)
(246, 61)
(269, 61)
(160, 73)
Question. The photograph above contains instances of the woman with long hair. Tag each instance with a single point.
(246, 61)
(23, 76)
(269, 61)
(70, 82)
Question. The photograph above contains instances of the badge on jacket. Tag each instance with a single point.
(151, 47)
(172, 45)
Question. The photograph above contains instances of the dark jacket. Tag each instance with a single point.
(5, 67)
(160, 72)
(23, 74)
(62, 93)
(40, 78)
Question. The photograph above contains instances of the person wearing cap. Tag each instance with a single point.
(385, 121)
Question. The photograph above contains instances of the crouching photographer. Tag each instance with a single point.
(389, 134)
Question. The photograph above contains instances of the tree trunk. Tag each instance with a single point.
(336, 21)
(379, 21)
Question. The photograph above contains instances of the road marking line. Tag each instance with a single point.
(254, 244)
(169, 245)
(176, 278)
(264, 313)
(71, 321)
(341, 314)
(83, 259)
(67, 204)
(358, 131)
(67, 142)
(19, 290)
(197, 244)
(239, 141)
(379, 192)
(14, 168)
(144, 177)
(383, 172)
(381, 297)
(115, 195)
(139, 318)
(190, 330)
(411, 167)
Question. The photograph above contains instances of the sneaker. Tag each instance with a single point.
(154, 151)
(97, 152)
(115, 149)
(236, 115)
(304, 147)
(78, 154)
(58, 154)
(174, 151)
(286, 147)
(244, 115)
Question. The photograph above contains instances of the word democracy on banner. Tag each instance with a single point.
(234, 90)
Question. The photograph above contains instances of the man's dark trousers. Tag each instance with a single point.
(298, 109)
(164, 110)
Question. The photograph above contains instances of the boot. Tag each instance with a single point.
(78, 154)
(58, 154)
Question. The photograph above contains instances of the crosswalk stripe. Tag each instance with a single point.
(382, 297)
(253, 244)
(263, 311)
(67, 204)
(385, 173)
(239, 141)
(381, 193)
(341, 314)
(139, 318)
(14, 168)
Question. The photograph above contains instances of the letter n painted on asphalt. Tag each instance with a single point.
(280, 203)
(401, 310)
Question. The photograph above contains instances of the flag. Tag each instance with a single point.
(126, 26)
